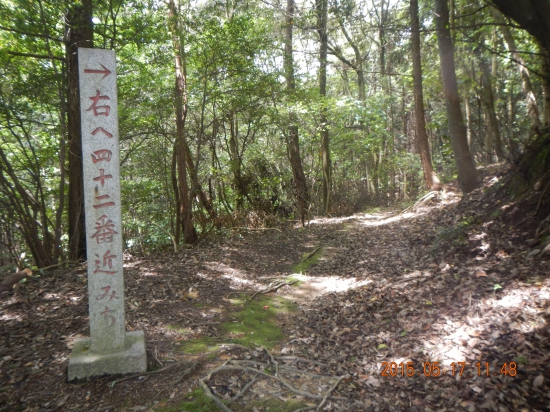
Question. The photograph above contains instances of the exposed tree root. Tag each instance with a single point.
(239, 365)
(272, 288)
(422, 201)
(214, 398)
(258, 228)
(312, 253)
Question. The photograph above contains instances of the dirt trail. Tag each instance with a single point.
(446, 283)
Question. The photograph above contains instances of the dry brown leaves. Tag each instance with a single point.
(455, 285)
(450, 285)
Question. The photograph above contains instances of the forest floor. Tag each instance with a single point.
(442, 307)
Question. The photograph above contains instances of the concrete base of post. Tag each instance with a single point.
(84, 364)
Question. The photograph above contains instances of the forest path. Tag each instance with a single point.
(449, 282)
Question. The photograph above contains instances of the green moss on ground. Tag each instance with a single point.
(195, 401)
(254, 323)
(272, 405)
(201, 345)
(199, 402)
(308, 260)
(295, 277)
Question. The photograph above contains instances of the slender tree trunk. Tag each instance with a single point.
(493, 138)
(468, 121)
(189, 233)
(430, 177)
(78, 33)
(236, 160)
(62, 116)
(532, 108)
(325, 142)
(534, 17)
(468, 177)
(175, 188)
(293, 142)
(205, 202)
(545, 64)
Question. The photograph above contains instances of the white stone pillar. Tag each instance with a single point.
(109, 340)
(101, 163)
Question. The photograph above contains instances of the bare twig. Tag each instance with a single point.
(297, 358)
(272, 288)
(202, 324)
(258, 374)
(311, 374)
(236, 292)
(243, 390)
(169, 234)
(424, 199)
(247, 369)
(187, 372)
(237, 368)
(329, 392)
(147, 373)
(312, 253)
(55, 265)
(307, 408)
(157, 359)
(235, 346)
(218, 402)
(258, 228)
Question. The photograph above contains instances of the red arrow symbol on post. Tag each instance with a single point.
(106, 71)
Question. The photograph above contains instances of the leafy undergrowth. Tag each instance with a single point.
(447, 285)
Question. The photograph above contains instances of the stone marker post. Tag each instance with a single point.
(110, 349)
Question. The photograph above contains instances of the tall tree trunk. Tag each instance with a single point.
(468, 177)
(532, 108)
(189, 233)
(28, 210)
(493, 139)
(468, 120)
(325, 142)
(78, 33)
(534, 17)
(206, 203)
(293, 142)
(545, 65)
(62, 116)
(430, 177)
(235, 161)
(175, 188)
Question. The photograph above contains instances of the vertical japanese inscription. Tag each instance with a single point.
(101, 160)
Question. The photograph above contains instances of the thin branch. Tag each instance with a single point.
(55, 265)
(246, 387)
(36, 56)
(43, 36)
(329, 392)
(272, 288)
(257, 228)
(169, 234)
(209, 394)
(113, 383)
